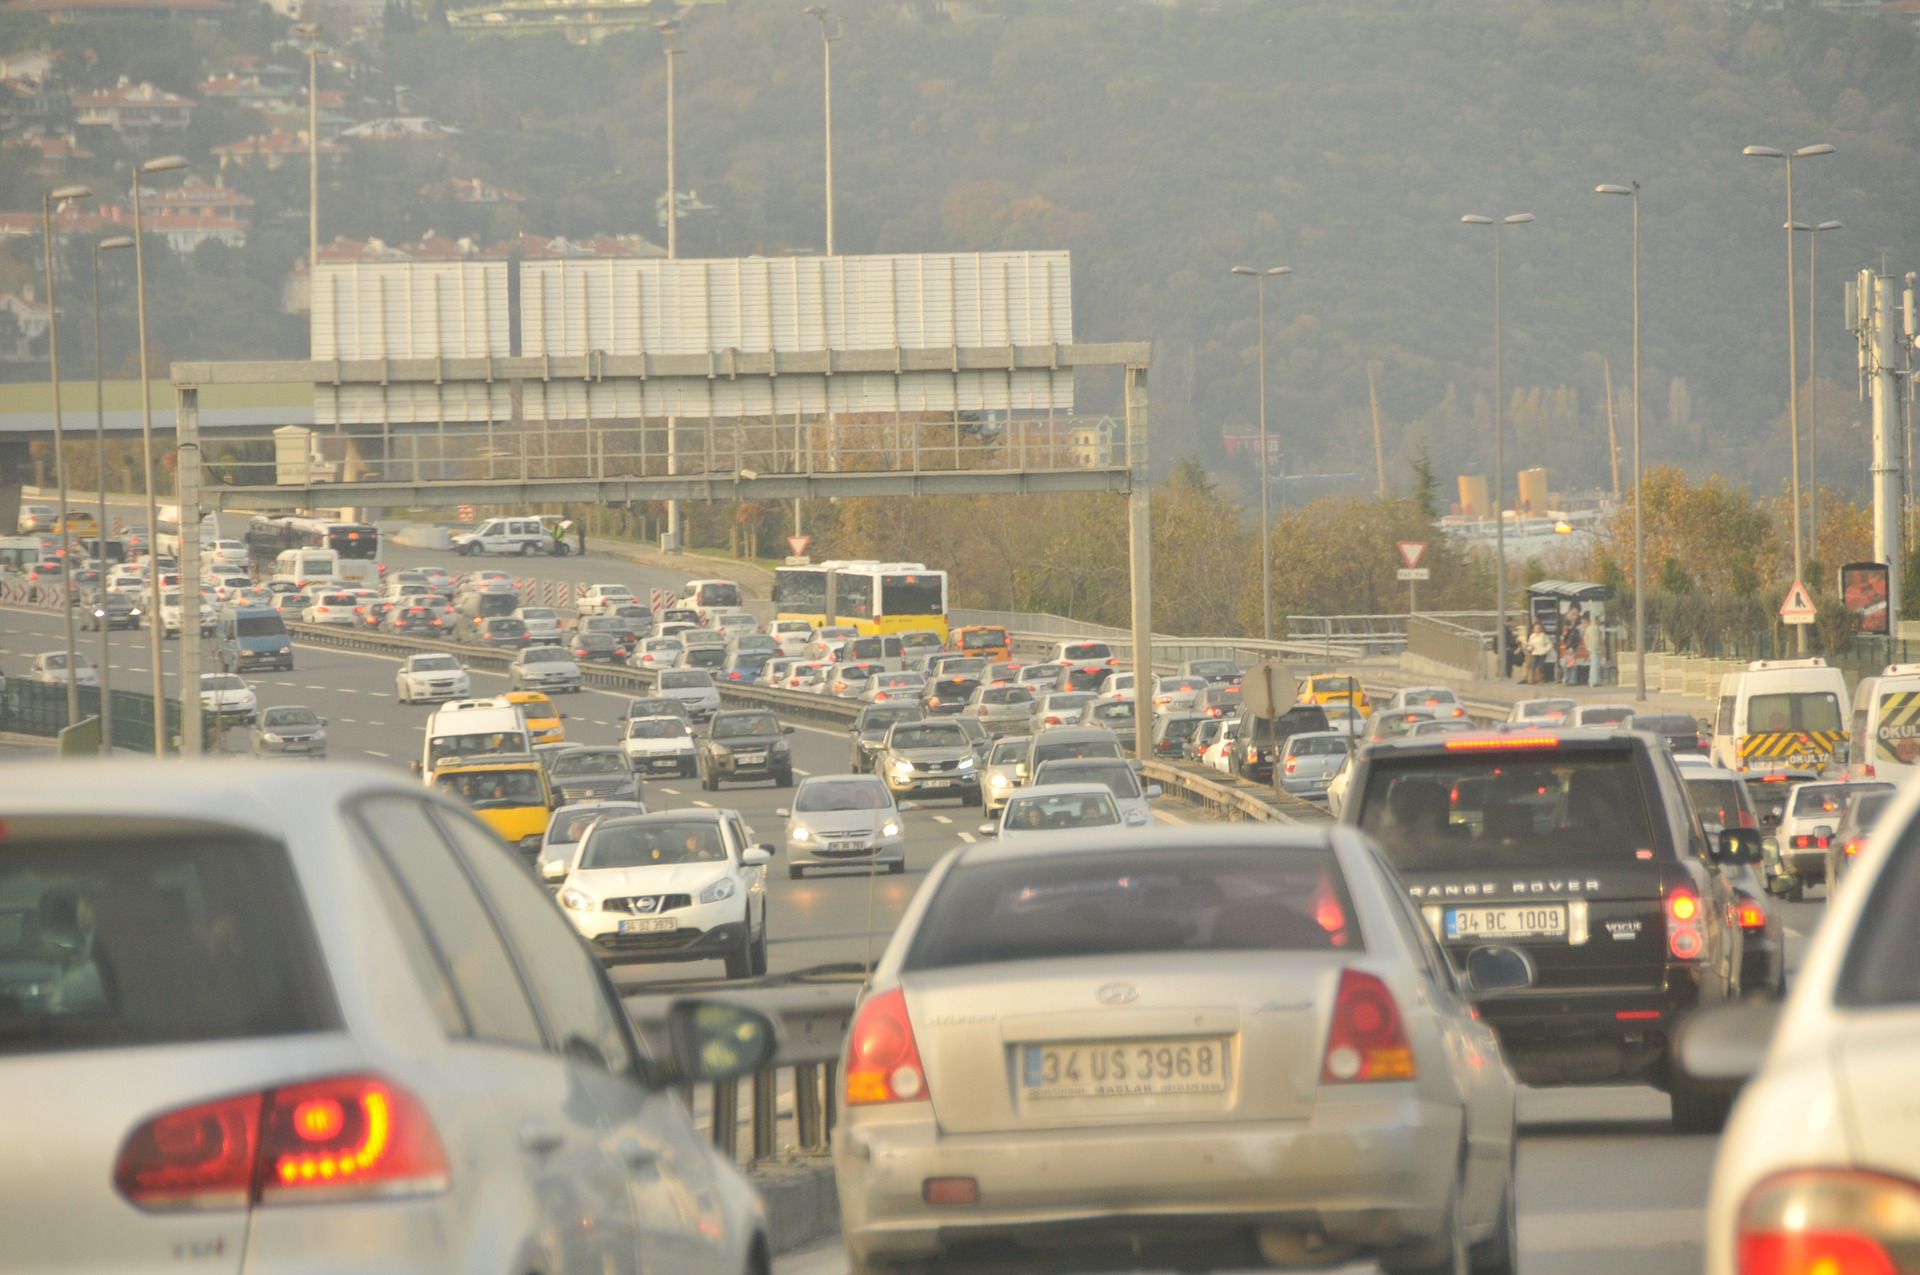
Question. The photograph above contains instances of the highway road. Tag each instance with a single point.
(1605, 1184)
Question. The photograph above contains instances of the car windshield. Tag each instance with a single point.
(221, 682)
(744, 725)
(879, 717)
(545, 655)
(435, 664)
(1499, 810)
(931, 735)
(482, 789)
(1056, 812)
(1793, 711)
(1007, 752)
(126, 934)
(684, 680)
(624, 844)
(1317, 746)
(1394, 725)
(1882, 965)
(598, 762)
(1545, 708)
(841, 794)
(1179, 727)
(1086, 651)
(979, 639)
(1202, 900)
(1825, 799)
(289, 717)
(536, 706)
(1068, 701)
(1118, 777)
(1115, 711)
(539, 613)
(656, 728)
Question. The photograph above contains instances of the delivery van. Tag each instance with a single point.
(465, 728)
(252, 637)
(1886, 724)
(1782, 715)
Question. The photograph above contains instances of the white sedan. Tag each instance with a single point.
(602, 599)
(431, 677)
(51, 669)
(681, 885)
(1819, 1168)
(229, 696)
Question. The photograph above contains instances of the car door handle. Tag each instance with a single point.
(540, 1137)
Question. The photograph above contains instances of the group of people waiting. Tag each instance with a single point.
(1569, 659)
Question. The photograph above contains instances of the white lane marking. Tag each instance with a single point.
(967, 837)
(371, 723)
(674, 792)
(707, 804)
(941, 819)
(1635, 1229)
(311, 686)
(346, 690)
(373, 752)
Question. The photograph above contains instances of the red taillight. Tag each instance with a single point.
(1366, 1040)
(1829, 1222)
(1853, 846)
(1292, 762)
(1683, 926)
(1752, 915)
(346, 1135)
(1746, 819)
(883, 1061)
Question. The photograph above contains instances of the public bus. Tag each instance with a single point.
(873, 597)
(268, 538)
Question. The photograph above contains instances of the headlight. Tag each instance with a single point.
(532, 841)
(284, 650)
(779, 746)
(999, 781)
(889, 829)
(966, 763)
(798, 833)
(721, 889)
(577, 900)
(1137, 818)
(902, 767)
(271, 739)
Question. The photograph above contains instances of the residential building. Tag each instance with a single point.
(196, 196)
(136, 112)
(23, 324)
(271, 150)
(202, 12)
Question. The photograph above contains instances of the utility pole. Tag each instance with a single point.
(1872, 319)
(187, 492)
(669, 30)
(1379, 452)
(1613, 440)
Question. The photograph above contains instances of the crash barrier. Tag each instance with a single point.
(813, 1011)
(25, 593)
(1454, 647)
(40, 708)
(1035, 632)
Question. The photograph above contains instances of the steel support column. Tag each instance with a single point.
(1140, 555)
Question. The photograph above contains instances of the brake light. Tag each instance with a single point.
(1505, 741)
(883, 1061)
(1853, 846)
(1830, 1221)
(1366, 1040)
(1808, 841)
(1291, 763)
(344, 1136)
(1752, 915)
(1683, 926)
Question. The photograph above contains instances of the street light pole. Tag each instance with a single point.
(1260, 278)
(830, 30)
(310, 32)
(155, 631)
(1639, 472)
(1499, 439)
(668, 29)
(62, 195)
(1813, 380)
(100, 483)
(1793, 356)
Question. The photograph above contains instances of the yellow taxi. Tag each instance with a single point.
(508, 791)
(79, 523)
(1335, 688)
(543, 719)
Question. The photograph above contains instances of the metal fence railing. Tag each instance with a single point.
(40, 708)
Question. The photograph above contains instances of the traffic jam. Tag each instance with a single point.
(368, 1013)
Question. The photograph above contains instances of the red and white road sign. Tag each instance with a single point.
(1798, 608)
(661, 599)
(797, 545)
(1410, 551)
(466, 513)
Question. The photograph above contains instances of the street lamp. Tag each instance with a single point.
(310, 32)
(1260, 278)
(100, 482)
(669, 29)
(1793, 358)
(61, 195)
(1632, 191)
(1813, 234)
(161, 164)
(830, 30)
(1499, 437)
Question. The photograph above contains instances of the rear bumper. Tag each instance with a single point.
(676, 945)
(1553, 1037)
(1374, 1173)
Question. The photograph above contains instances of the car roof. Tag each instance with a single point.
(1060, 790)
(1084, 841)
(1584, 737)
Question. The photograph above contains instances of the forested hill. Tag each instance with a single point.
(1163, 145)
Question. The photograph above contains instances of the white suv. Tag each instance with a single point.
(508, 535)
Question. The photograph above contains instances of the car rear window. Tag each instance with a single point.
(1054, 750)
(1528, 808)
(1718, 801)
(118, 933)
(1128, 902)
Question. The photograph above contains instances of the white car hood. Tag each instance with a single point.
(653, 747)
(842, 823)
(679, 878)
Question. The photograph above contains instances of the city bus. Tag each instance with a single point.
(873, 597)
(268, 538)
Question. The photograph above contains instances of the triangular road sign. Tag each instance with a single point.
(1799, 604)
(799, 544)
(1411, 550)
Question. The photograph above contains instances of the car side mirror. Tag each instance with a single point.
(323, 721)
(1155, 790)
(1727, 1042)
(782, 812)
(1494, 969)
(1737, 846)
(553, 870)
(786, 730)
(770, 848)
(904, 806)
(989, 830)
(414, 766)
(755, 857)
(713, 1041)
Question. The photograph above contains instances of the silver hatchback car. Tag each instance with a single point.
(323, 1019)
(1175, 1050)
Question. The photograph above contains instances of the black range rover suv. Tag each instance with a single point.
(1581, 849)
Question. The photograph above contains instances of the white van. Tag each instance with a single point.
(710, 597)
(1782, 715)
(464, 728)
(508, 535)
(1886, 722)
(303, 568)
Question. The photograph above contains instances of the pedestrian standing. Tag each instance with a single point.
(580, 535)
(1539, 647)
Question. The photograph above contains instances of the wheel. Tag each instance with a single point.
(560, 549)
(401, 695)
(784, 779)
(1445, 1255)
(526, 548)
(758, 956)
(710, 781)
(795, 871)
(740, 960)
(1498, 1254)
(1697, 1108)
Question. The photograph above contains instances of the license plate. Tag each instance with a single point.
(650, 925)
(936, 783)
(846, 845)
(751, 759)
(1540, 921)
(1123, 1068)
(299, 748)
(667, 763)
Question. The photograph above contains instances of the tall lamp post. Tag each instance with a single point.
(310, 32)
(1793, 354)
(155, 633)
(100, 483)
(1499, 437)
(668, 30)
(62, 195)
(1260, 278)
(1813, 234)
(830, 30)
(1632, 191)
